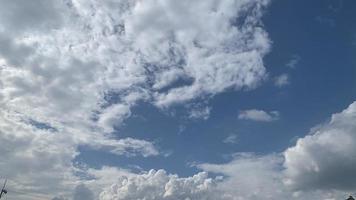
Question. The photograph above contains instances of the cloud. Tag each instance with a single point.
(80, 66)
(59, 198)
(34, 161)
(320, 166)
(81, 192)
(113, 115)
(259, 115)
(281, 80)
(99, 48)
(128, 146)
(165, 43)
(294, 61)
(249, 177)
(200, 113)
(325, 159)
(231, 139)
(158, 185)
(16, 16)
(245, 177)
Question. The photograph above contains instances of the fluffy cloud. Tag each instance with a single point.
(156, 185)
(19, 15)
(166, 47)
(29, 158)
(250, 177)
(128, 50)
(326, 158)
(245, 177)
(259, 115)
(79, 66)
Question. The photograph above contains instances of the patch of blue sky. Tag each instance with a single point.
(322, 82)
(42, 125)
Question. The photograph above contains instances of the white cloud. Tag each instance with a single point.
(281, 80)
(294, 61)
(60, 61)
(96, 48)
(231, 139)
(19, 15)
(245, 177)
(164, 42)
(312, 164)
(128, 146)
(114, 114)
(200, 113)
(321, 165)
(250, 177)
(157, 185)
(326, 158)
(259, 115)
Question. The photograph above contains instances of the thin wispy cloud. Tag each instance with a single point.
(231, 139)
(281, 80)
(258, 115)
(293, 62)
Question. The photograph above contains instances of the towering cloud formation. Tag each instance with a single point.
(156, 185)
(245, 177)
(326, 158)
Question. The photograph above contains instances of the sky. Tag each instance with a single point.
(178, 100)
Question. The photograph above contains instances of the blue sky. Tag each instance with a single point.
(321, 82)
(168, 100)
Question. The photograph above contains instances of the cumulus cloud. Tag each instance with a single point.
(326, 158)
(245, 177)
(79, 66)
(258, 115)
(281, 80)
(250, 177)
(157, 185)
(320, 166)
(99, 49)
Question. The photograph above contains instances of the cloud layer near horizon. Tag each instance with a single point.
(319, 166)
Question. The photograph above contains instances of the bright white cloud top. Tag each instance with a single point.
(325, 158)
